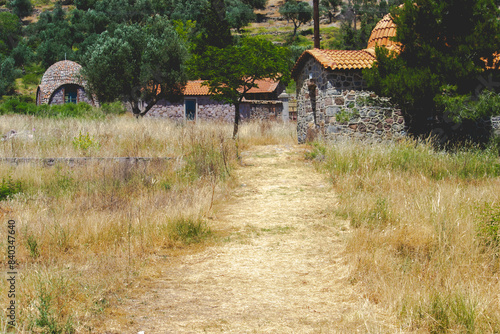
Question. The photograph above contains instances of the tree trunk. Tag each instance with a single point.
(236, 118)
(317, 44)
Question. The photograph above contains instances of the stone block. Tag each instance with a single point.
(332, 111)
(339, 101)
(334, 129)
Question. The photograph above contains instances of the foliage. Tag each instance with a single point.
(8, 187)
(68, 110)
(445, 43)
(53, 37)
(330, 7)
(8, 75)
(367, 13)
(21, 8)
(22, 54)
(33, 75)
(296, 11)
(345, 114)
(10, 32)
(85, 142)
(466, 106)
(232, 71)
(212, 28)
(239, 14)
(137, 64)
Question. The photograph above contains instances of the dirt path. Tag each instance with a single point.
(279, 271)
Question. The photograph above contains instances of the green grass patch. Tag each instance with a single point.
(188, 230)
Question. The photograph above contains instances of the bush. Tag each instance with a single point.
(26, 106)
(9, 188)
(113, 108)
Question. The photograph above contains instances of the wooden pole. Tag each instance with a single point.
(317, 44)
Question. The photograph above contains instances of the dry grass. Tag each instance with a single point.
(426, 236)
(86, 233)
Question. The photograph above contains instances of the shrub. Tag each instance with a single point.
(9, 188)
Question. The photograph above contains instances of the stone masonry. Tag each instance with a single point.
(336, 104)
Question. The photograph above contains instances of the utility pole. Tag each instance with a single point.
(316, 24)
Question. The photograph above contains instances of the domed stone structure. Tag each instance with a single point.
(61, 83)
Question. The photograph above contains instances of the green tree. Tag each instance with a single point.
(232, 71)
(137, 65)
(330, 7)
(8, 75)
(10, 32)
(359, 19)
(212, 27)
(446, 43)
(296, 11)
(239, 14)
(21, 8)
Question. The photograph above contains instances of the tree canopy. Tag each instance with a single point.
(137, 64)
(232, 71)
(21, 8)
(445, 45)
(296, 11)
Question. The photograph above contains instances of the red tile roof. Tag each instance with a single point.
(337, 59)
(195, 87)
(382, 35)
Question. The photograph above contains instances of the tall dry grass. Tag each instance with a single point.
(87, 232)
(425, 239)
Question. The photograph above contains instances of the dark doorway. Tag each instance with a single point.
(190, 106)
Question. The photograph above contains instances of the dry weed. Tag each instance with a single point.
(86, 232)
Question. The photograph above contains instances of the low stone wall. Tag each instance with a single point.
(78, 161)
(336, 104)
(266, 111)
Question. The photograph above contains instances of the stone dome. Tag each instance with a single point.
(61, 73)
(381, 35)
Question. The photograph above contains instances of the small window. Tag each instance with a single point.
(70, 94)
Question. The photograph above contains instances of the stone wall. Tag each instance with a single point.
(336, 104)
(266, 111)
(58, 96)
(206, 109)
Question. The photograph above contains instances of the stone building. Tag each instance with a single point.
(261, 102)
(61, 83)
(332, 99)
(331, 94)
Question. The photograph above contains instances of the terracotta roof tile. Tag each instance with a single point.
(264, 86)
(381, 35)
(337, 59)
(195, 87)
